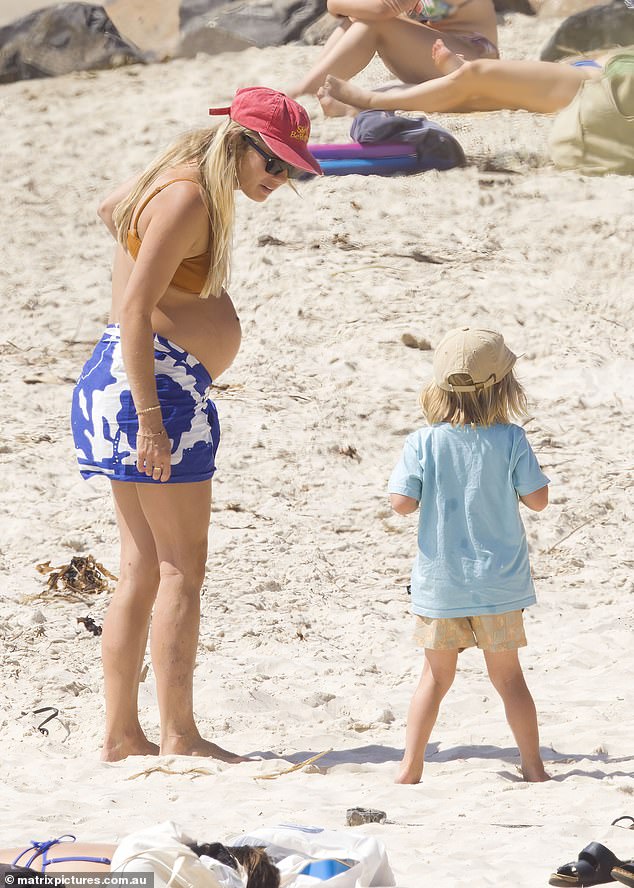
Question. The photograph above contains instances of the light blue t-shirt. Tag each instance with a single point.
(472, 552)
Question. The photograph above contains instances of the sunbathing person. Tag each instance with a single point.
(253, 865)
(481, 85)
(402, 32)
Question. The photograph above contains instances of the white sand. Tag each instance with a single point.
(306, 638)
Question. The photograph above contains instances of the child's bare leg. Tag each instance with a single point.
(507, 678)
(438, 674)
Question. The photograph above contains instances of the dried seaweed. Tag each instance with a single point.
(296, 767)
(90, 625)
(82, 575)
(161, 769)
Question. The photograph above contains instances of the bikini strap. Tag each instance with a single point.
(140, 209)
(40, 849)
(105, 860)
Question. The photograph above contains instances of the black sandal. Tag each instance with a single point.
(624, 873)
(593, 867)
(624, 817)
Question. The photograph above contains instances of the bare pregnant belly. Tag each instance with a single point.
(209, 329)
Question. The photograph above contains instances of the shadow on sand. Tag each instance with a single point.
(378, 755)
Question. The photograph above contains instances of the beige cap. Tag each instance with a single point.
(481, 354)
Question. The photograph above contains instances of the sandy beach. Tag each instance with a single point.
(306, 640)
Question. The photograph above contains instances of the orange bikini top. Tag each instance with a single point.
(191, 274)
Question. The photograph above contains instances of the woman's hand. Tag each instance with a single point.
(154, 453)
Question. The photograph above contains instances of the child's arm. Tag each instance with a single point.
(403, 505)
(537, 500)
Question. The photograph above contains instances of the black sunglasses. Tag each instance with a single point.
(274, 165)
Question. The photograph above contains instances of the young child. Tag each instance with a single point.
(471, 577)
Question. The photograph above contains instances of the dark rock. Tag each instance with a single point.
(357, 816)
(561, 9)
(320, 30)
(202, 37)
(600, 27)
(522, 6)
(194, 9)
(60, 39)
(268, 23)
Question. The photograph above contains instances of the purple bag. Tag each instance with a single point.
(434, 146)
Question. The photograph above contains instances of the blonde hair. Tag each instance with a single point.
(484, 407)
(216, 153)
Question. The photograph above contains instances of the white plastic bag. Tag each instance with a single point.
(162, 850)
(292, 847)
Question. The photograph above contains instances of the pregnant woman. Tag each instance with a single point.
(141, 413)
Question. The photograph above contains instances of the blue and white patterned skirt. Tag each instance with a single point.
(105, 424)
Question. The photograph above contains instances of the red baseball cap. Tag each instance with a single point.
(282, 124)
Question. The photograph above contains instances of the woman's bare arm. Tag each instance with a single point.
(107, 206)
(173, 226)
(370, 10)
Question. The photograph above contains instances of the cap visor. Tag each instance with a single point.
(303, 160)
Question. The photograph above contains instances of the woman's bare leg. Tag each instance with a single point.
(178, 515)
(482, 85)
(439, 671)
(350, 53)
(125, 628)
(405, 47)
(507, 678)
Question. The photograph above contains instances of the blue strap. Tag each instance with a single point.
(40, 849)
(87, 859)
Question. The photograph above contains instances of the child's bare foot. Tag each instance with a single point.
(409, 774)
(444, 59)
(339, 98)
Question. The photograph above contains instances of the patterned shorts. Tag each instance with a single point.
(489, 632)
(105, 424)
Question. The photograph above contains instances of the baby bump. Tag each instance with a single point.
(208, 328)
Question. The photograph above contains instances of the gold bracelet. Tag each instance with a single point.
(151, 434)
(148, 409)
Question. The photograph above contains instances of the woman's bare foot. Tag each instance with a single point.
(122, 747)
(536, 774)
(339, 98)
(444, 59)
(409, 774)
(196, 745)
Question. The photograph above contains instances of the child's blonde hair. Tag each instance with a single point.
(498, 403)
(216, 153)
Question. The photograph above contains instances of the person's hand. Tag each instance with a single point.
(153, 453)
